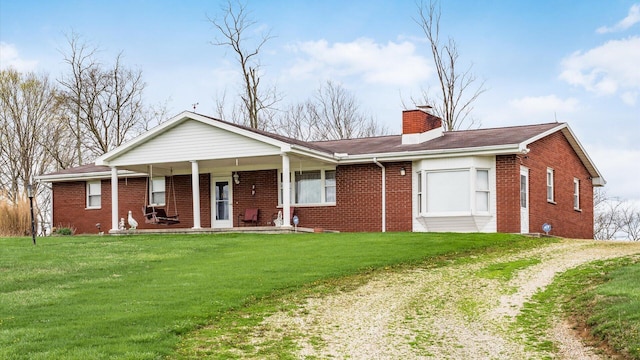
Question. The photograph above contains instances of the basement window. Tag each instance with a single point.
(94, 194)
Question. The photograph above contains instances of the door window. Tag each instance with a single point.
(222, 200)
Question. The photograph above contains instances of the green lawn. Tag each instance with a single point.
(608, 301)
(133, 297)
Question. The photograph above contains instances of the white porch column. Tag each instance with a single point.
(195, 183)
(114, 198)
(286, 191)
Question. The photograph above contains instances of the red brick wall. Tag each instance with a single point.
(553, 151)
(508, 193)
(69, 203)
(265, 198)
(358, 199)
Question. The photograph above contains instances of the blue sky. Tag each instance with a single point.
(577, 61)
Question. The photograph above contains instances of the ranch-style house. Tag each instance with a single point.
(196, 172)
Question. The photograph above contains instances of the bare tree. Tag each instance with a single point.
(299, 121)
(332, 113)
(615, 218)
(82, 62)
(29, 130)
(458, 90)
(104, 106)
(233, 29)
(630, 218)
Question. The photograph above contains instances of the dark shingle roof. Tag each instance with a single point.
(82, 169)
(464, 139)
(449, 140)
(461, 139)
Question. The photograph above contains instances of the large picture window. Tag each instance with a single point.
(308, 189)
(454, 192)
(94, 194)
(311, 187)
(448, 191)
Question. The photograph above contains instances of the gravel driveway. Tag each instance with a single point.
(447, 312)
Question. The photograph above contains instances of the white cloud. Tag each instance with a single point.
(630, 97)
(614, 164)
(388, 64)
(632, 18)
(9, 58)
(544, 104)
(607, 69)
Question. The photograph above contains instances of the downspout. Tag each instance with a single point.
(384, 195)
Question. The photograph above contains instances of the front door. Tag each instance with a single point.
(524, 200)
(222, 203)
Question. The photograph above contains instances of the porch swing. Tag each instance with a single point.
(157, 215)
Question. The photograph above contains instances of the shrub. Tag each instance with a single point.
(64, 230)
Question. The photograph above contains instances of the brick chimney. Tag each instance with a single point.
(419, 126)
(418, 121)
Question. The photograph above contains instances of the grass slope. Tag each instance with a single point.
(602, 297)
(609, 304)
(133, 297)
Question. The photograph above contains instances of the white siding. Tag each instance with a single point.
(194, 140)
(455, 224)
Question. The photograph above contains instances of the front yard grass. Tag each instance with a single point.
(609, 304)
(602, 299)
(136, 297)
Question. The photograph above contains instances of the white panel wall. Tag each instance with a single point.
(193, 140)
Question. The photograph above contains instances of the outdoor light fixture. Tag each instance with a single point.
(253, 189)
(403, 171)
(236, 178)
(33, 222)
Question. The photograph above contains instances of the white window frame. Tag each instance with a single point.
(91, 195)
(550, 186)
(323, 188)
(328, 186)
(420, 194)
(486, 191)
(576, 194)
(152, 191)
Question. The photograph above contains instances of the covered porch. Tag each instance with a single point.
(206, 173)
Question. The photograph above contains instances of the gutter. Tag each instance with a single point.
(424, 154)
(87, 176)
(384, 195)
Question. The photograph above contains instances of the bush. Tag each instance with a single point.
(15, 219)
(64, 231)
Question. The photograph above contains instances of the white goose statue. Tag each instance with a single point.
(132, 222)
